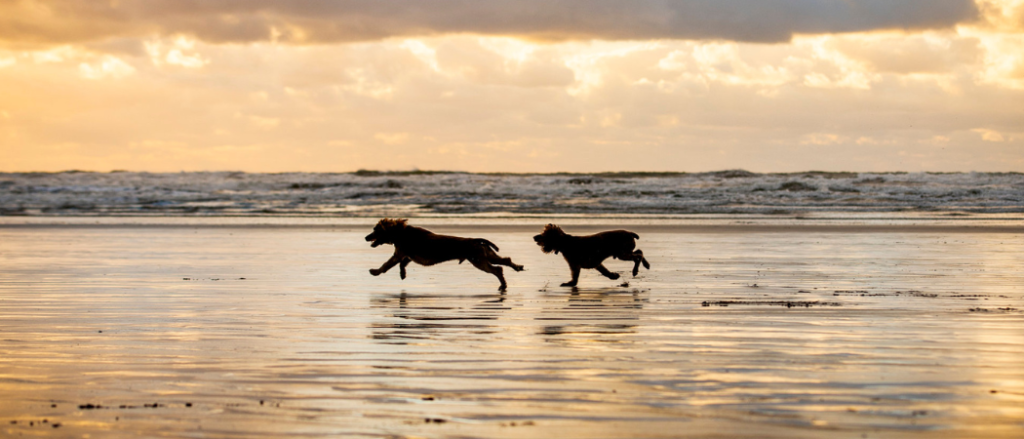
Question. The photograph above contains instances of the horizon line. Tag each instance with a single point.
(374, 172)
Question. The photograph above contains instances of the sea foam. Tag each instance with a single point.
(368, 193)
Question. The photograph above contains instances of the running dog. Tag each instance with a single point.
(589, 251)
(419, 245)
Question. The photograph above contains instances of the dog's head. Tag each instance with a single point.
(550, 239)
(385, 230)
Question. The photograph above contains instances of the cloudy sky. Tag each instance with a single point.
(512, 86)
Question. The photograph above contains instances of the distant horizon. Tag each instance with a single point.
(399, 172)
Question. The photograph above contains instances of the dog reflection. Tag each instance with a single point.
(426, 318)
(594, 316)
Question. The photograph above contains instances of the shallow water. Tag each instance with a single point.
(271, 332)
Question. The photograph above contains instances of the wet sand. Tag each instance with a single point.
(281, 332)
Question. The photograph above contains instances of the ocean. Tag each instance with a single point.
(422, 193)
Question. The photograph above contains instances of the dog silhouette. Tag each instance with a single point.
(419, 245)
(591, 250)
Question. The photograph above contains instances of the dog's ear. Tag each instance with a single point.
(392, 223)
(553, 229)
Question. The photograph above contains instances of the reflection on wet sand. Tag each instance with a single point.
(589, 312)
(430, 309)
(592, 316)
(247, 332)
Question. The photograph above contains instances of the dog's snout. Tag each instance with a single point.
(370, 237)
(538, 238)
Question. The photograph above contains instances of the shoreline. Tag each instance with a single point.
(737, 228)
(731, 224)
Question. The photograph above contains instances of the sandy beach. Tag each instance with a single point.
(830, 195)
(240, 331)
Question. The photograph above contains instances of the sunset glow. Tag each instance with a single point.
(512, 86)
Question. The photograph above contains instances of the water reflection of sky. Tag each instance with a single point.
(290, 317)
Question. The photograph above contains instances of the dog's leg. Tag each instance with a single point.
(498, 260)
(401, 267)
(640, 254)
(601, 269)
(638, 258)
(575, 276)
(631, 256)
(499, 273)
(395, 258)
(488, 268)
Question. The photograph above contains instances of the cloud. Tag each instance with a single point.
(921, 53)
(151, 85)
(108, 67)
(178, 52)
(51, 22)
(990, 135)
(488, 65)
(490, 104)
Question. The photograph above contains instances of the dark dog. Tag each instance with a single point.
(589, 251)
(415, 244)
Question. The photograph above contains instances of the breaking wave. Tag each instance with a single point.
(369, 193)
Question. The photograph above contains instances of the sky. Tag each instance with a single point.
(512, 85)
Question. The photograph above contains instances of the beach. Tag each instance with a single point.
(280, 331)
(198, 199)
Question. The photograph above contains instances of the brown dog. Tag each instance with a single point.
(589, 251)
(415, 244)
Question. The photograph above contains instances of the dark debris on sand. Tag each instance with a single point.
(862, 293)
(39, 423)
(513, 424)
(91, 406)
(210, 278)
(785, 303)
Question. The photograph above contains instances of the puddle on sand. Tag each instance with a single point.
(309, 343)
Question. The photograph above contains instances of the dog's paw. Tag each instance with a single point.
(569, 284)
(401, 274)
(646, 265)
(375, 272)
(635, 271)
(518, 267)
(502, 288)
(613, 276)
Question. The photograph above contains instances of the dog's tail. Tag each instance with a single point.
(635, 236)
(486, 243)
